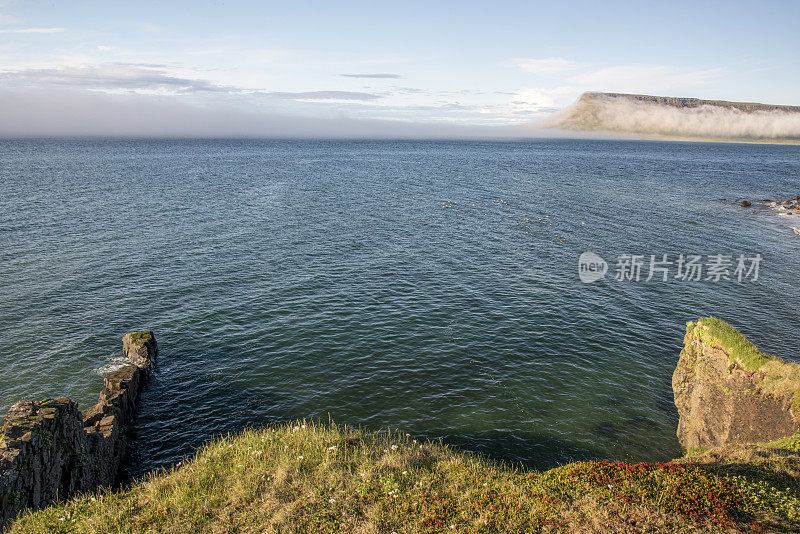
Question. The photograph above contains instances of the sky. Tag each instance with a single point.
(373, 68)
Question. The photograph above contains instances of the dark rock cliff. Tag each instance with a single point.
(49, 450)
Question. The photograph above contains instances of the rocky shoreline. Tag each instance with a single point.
(49, 450)
(781, 207)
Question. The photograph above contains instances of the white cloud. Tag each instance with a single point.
(644, 78)
(630, 78)
(541, 99)
(33, 30)
(546, 66)
(114, 77)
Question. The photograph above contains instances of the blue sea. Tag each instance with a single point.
(426, 286)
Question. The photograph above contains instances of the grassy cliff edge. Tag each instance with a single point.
(311, 477)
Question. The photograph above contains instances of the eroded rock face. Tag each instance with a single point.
(720, 401)
(140, 349)
(49, 449)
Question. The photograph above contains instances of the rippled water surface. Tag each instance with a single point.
(384, 283)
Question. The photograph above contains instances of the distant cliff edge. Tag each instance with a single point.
(675, 117)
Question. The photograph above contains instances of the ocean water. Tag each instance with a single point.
(427, 286)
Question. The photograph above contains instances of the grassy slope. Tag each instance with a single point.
(324, 478)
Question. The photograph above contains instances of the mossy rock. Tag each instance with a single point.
(140, 337)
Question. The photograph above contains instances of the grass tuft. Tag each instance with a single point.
(733, 342)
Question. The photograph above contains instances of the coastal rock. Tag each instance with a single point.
(50, 450)
(140, 348)
(728, 392)
(746, 204)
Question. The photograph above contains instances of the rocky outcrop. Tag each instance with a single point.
(728, 392)
(49, 450)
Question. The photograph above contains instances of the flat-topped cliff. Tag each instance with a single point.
(680, 118)
(683, 102)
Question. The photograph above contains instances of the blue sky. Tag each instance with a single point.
(442, 63)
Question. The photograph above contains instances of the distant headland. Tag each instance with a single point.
(680, 118)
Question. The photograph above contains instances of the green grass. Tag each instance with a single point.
(309, 478)
(789, 443)
(733, 342)
(776, 378)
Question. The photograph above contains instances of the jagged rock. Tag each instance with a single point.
(746, 204)
(49, 450)
(140, 348)
(727, 391)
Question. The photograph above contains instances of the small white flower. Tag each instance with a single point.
(363, 474)
(332, 448)
(394, 447)
(300, 458)
(303, 427)
(240, 465)
(452, 527)
(485, 483)
(405, 472)
(610, 486)
(331, 501)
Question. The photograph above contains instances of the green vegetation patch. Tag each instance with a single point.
(740, 349)
(312, 478)
(789, 443)
(140, 337)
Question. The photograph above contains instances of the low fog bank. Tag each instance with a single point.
(64, 113)
(601, 113)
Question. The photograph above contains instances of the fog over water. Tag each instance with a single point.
(713, 122)
(56, 112)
